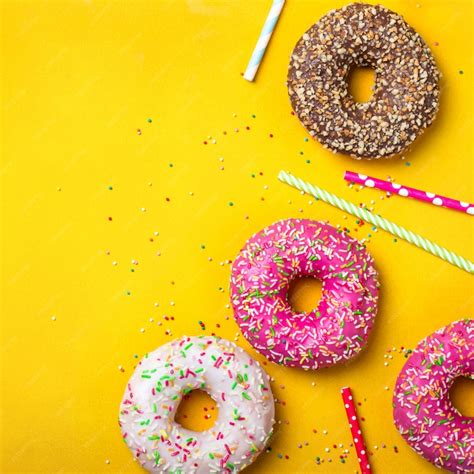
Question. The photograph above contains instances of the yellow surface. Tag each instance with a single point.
(78, 80)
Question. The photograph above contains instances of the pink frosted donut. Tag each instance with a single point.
(338, 328)
(423, 413)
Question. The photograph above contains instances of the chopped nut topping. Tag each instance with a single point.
(406, 92)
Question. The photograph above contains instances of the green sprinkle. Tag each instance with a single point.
(246, 396)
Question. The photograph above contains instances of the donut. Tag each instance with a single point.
(422, 411)
(289, 249)
(229, 375)
(405, 95)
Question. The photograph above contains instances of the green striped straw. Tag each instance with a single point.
(379, 221)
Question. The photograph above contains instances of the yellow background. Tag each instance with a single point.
(78, 79)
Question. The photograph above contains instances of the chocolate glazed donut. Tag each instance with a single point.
(406, 92)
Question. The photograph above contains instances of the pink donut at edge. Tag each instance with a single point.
(423, 412)
(338, 328)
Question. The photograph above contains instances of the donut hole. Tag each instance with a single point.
(361, 83)
(197, 411)
(461, 395)
(304, 294)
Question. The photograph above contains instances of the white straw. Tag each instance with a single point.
(263, 39)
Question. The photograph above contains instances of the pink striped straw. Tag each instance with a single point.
(356, 432)
(406, 191)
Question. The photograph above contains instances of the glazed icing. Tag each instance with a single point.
(236, 382)
(338, 328)
(423, 412)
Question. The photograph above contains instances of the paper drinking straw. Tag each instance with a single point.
(263, 39)
(406, 191)
(356, 432)
(379, 221)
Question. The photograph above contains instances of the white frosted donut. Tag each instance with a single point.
(236, 382)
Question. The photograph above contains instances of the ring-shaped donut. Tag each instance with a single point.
(236, 382)
(405, 95)
(261, 274)
(423, 412)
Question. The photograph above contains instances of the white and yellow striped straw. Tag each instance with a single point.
(378, 221)
(263, 39)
